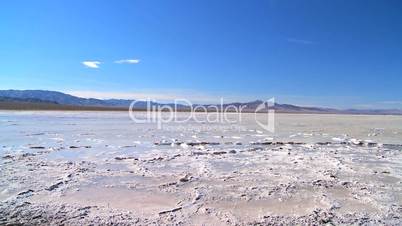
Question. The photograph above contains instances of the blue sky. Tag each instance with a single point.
(327, 53)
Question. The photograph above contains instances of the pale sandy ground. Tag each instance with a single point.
(101, 168)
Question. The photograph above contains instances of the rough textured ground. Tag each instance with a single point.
(71, 172)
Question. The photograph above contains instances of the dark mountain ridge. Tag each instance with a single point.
(59, 98)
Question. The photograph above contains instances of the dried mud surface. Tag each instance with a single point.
(74, 173)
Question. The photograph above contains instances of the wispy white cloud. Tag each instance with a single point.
(127, 61)
(91, 64)
(300, 41)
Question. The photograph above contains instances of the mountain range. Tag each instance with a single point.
(53, 100)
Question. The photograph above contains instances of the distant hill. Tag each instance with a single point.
(43, 99)
(28, 100)
(252, 106)
(52, 96)
(12, 103)
(67, 99)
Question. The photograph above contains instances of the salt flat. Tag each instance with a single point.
(101, 167)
